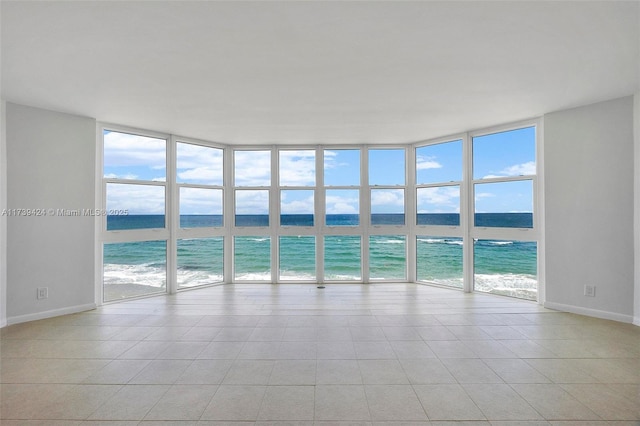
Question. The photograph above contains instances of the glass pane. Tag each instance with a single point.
(343, 207)
(252, 168)
(439, 163)
(134, 269)
(143, 205)
(387, 257)
(439, 260)
(252, 257)
(342, 258)
(298, 168)
(296, 207)
(200, 261)
(129, 156)
(504, 204)
(439, 205)
(386, 167)
(252, 207)
(506, 267)
(387, 206)
(200, 207)
(297, 258)
(199, 164)
(342, 167)
(511, 153)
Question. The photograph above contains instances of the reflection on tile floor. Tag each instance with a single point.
(381, 354)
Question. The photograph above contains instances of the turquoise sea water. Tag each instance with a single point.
(505, 267)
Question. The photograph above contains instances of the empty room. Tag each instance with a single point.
(228, 213)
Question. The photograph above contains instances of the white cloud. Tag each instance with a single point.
(524, 169)
(297, 206)
(439, 200)
(129, 176)
(122, 149)
(206, 175)
(199, 164)
(297, 168)
(342, 208)
(482, 195)
(425, 163)
(200, 201)
(342, 205)
(137, 199)
(330, 160)
(252, 202)
(387, 197)
(252, 168)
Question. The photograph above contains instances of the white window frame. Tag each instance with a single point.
(365, 229)
(179, 233)
(458, 231)
(512, 234)
(136, 235)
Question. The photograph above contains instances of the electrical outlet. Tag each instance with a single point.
(43, 292)
(590, 290)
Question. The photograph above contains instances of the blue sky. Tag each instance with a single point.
(504, 154)
(135, 157)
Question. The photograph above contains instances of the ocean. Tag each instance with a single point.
(501, 267)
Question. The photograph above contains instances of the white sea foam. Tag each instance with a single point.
(144, 274)
(192, 278)
(431, 240)
(254, 276)
(523, 286)
(296, 276)
(440, 241)
(500, 243)
(389, 241)
(341, 277)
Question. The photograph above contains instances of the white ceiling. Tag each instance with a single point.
(317, 72)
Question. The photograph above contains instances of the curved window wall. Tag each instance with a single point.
(457, 212)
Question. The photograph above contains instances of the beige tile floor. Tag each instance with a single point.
(383, 354)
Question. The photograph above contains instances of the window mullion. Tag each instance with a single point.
(467, 213)
(365, 212)
(410, 205)
(319, 213)
(173, 219)
(228, 214)
(274, 214)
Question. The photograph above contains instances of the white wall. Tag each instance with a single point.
(3, 218)
(636, 210)
(589, 198)
(589, 209)
(50, 165)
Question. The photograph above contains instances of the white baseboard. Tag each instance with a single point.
(49, 314)
(3, 322)
(591, 312)
(636, 321)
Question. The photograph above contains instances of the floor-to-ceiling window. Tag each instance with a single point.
(476, 227)
(343, 224)
(134, 224)
(251, 223)
(200, 232)
(388, 228)
(298, 222)
(457, 212)
(504, 227)
(439, 232)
